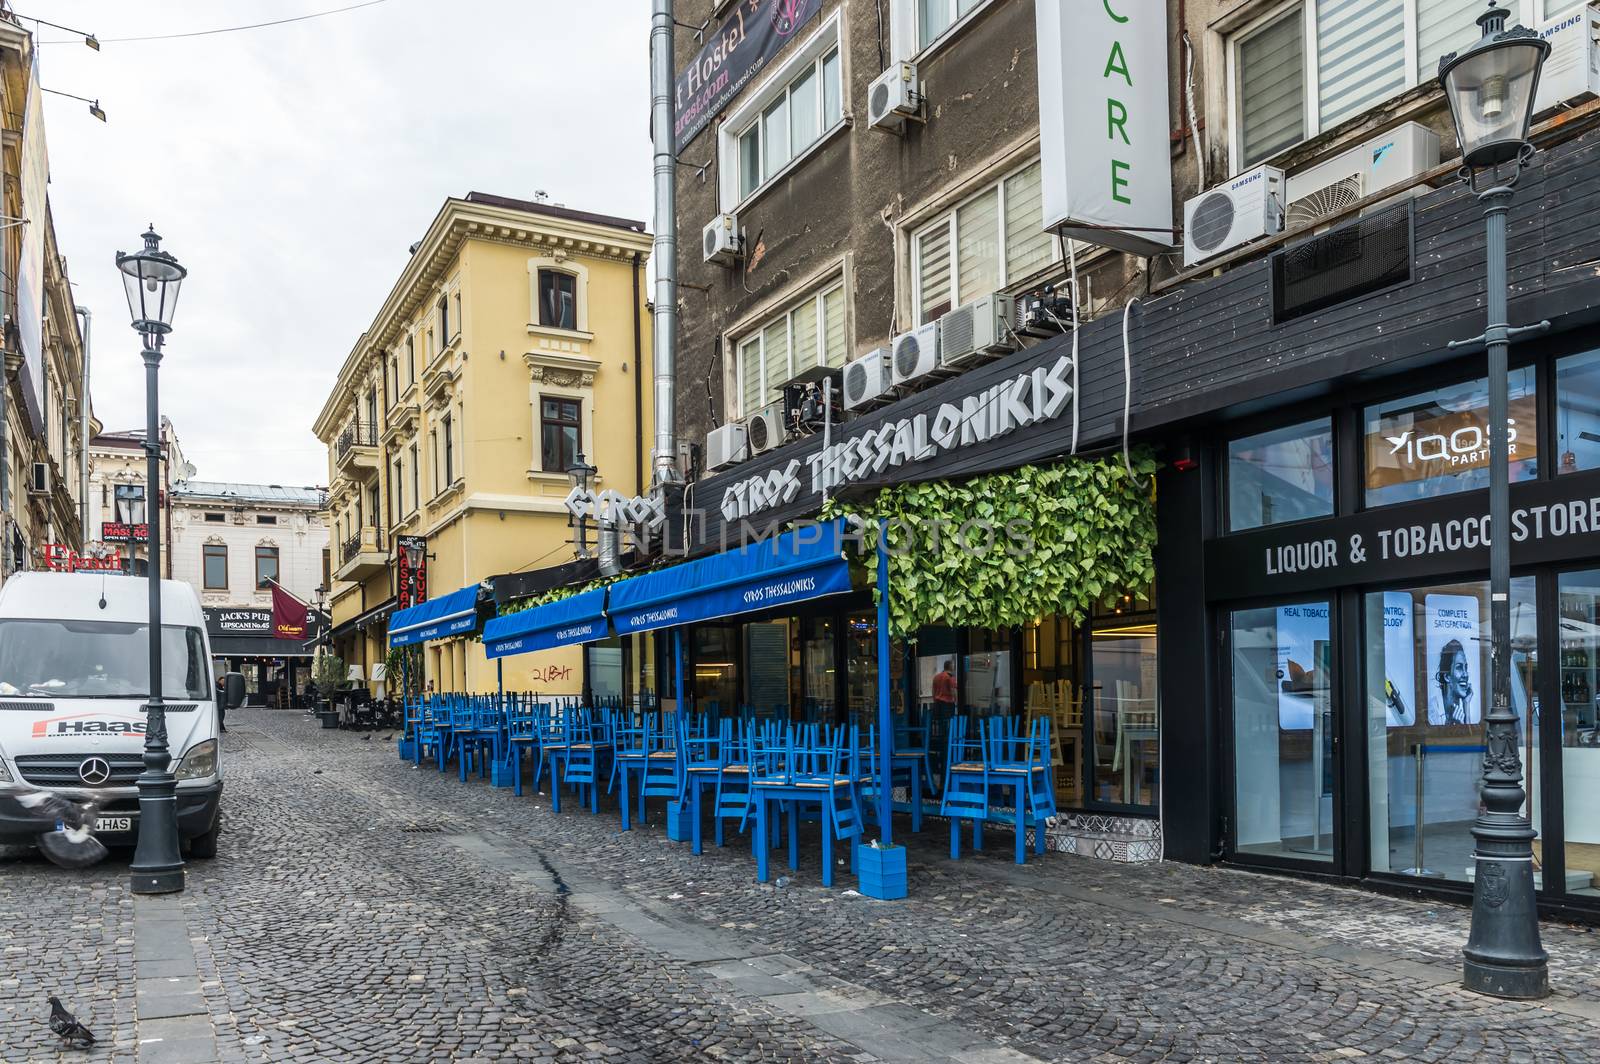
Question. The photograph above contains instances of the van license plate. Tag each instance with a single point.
(113, 824)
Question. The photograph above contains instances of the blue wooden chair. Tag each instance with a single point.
(431, 734)
(522, 736)
(663, 776)
(966, 782)
(1018, 759)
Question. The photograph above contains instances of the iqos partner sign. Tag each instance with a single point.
(1040, 394)
(1103, 124)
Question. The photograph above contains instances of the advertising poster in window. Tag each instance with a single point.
(1303, 660)
(734, 52)
(1399, 659)
(1438, 443)
(1453, 660)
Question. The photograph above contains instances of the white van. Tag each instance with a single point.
(74, 679)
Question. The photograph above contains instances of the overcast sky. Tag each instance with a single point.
(290, 167)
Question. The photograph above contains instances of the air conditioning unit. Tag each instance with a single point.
(974, 330)
(914, 354)
(764, 429)
(1242, 209)
(866, 380)
(1572, 71)
(725, 445)
(39, 479)
(893, 97)
(720, 240)
(1388, 159)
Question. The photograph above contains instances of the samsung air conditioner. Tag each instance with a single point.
(720, 240)
(866, 380)
(764, 429)
(971, 332)
(1391, 158)
(893, 98)
(725, 445)
(1572, 71)
(39, 479)
(914, 354)
(1241, 209)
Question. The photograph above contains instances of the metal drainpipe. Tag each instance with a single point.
(638, 386)
(665, 320)
(83, 434)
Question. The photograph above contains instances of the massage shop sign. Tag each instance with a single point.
(1551, 521)
(1028, 398)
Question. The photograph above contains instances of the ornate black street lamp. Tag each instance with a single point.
(1491, 88)
(580, 473)
(152, 278)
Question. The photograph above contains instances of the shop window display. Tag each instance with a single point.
(1579, 627)
(817, 668)
(1125, 708)
(1427, 677)
(1282, 475)
(716, 668)
(1578, 412)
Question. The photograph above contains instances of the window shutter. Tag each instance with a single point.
(835, 349)
(750, 376)
(1271, 89)
(805, 335)
(978, 246)
(1361, 59)
(1028, 246)
(775, 355)
(933, 270)
(1443, 26)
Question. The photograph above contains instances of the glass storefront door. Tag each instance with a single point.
(1126, 720)
(1284, 773)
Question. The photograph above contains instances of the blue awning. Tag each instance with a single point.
(576, 619)
(437, 618)
(804, 564)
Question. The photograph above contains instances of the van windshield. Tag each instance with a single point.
(99, 659)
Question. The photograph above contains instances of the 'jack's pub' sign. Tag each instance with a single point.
(734, 52)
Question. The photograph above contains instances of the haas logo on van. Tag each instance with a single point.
(85, 724)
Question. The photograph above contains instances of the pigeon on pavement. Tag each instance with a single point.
(67, 1026)
(65, 825)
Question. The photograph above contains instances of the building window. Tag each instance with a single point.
(1437, 443)
(1282, 475)
(266, 565)
(812, 333)
(369, 437)
(794, 115)
(935, 17)
(560, 430)
(216, 518)
(444, 318)
(1578, 412)
(1580, 724)
(374, 506)
(1309, 66)
(214, 566)
(1427, 675)
(411, 359)
(558, 299)
(433, 452)
(416, 466)
(130, 504)
(397, 499)
(327, 567)
(266, 519)
(989, 241)
(449, 453)
(455, 298)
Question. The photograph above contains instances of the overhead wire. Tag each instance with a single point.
(220, 29)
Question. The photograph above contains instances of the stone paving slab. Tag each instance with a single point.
(326, 930)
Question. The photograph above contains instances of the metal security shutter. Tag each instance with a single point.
(835, 349)
(1271, 88)
(1443, 26)
(978, 246)
(1028, 248)
(1361, 55)
(933, 271)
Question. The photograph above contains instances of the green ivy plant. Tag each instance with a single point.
(1004, 548)
(518, 605)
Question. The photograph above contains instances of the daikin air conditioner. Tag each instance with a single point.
(980, 328)
(720, 240)
(39, 479)
(893, 97)
(866, 380)
(914, 354)
(1391, 158)
(764, 429)
(1242, 209)
(1572, 72)
(725, 445)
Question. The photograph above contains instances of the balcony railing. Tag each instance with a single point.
(356, 434)
(350, 549)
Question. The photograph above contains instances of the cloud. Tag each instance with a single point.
(291, 167)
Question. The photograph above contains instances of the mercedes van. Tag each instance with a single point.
(74, 680)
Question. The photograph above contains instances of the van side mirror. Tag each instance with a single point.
(233, 690)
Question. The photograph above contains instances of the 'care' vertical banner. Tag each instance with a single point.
(1103, 122)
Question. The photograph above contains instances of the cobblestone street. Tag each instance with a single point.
(363, 909)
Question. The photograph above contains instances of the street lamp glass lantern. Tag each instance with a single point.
(579, 473)
(151, 277)
(1491, 88)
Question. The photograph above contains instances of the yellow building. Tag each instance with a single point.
(516, 337)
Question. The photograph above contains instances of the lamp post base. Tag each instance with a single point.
(157, 866)
(1503, 981)
(1503, 957)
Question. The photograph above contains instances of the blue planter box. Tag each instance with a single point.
(408, 749)
(881, 873)
(680, 822)
(502, 775)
